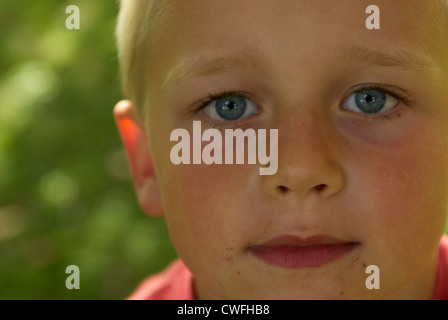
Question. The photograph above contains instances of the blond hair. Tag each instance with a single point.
(134, 28)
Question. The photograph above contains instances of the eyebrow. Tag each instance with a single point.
(206, 65)
(396, 57)
(201, 66)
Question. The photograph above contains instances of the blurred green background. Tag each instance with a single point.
(66, 197)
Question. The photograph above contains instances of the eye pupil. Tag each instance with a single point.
(230, 105)
(370, 101)
(369, 98)
(231, 108)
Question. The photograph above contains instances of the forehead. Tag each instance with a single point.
(203, 27)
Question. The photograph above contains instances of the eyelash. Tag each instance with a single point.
(220, 95)
(216, 96)
(402, 99)
(374, 118)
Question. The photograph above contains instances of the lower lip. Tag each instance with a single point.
(302, 256)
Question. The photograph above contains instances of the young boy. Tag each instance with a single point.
(358, 203)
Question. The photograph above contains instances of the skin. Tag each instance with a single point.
(381, 182)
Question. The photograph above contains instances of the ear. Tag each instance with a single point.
(135, 143)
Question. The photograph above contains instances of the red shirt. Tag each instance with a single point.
(176, 281)
(173, 283)
(441, 292)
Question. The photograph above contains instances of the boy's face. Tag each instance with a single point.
(375, 181)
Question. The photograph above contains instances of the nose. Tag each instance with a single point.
(308, 159)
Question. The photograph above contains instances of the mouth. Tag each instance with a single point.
(296, 252)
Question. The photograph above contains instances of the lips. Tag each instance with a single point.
(295, 252)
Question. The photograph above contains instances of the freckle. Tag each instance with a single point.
(228, 258)
(364, 265)
(238, 273)
(342, 293)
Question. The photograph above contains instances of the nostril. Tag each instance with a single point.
(283, 189)
(320, 187)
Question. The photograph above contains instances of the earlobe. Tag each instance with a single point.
(149, 198)
(135, 143)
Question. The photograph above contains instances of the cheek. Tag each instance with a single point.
(205, 209)
(398, 195)
(404, 187)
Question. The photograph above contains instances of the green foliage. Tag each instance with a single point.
(66, 196)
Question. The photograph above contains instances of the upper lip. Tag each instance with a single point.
(296, 241)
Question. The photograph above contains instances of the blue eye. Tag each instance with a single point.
(230, 108)
(370, 101)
